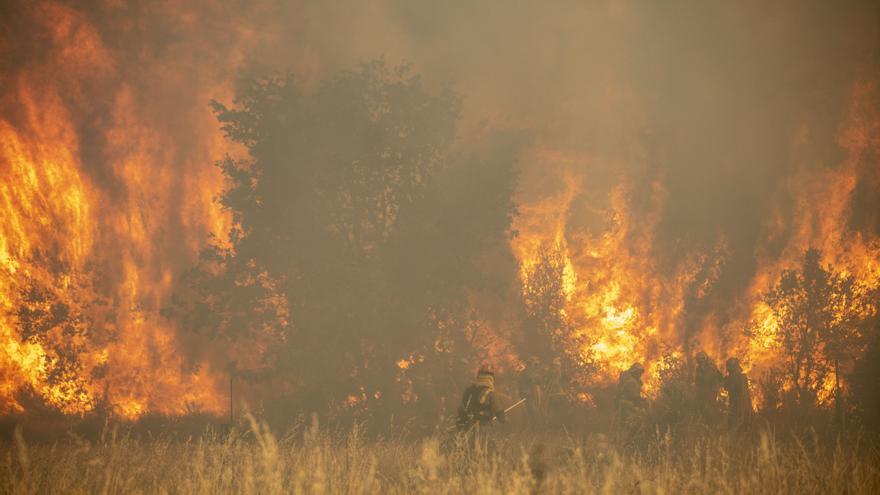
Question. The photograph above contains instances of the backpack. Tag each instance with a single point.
(476, 406)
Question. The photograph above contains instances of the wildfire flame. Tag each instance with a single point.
(107, 195)
(86, 257)
(630, 311)
(824, 202)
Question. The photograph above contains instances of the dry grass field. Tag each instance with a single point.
(311, 461)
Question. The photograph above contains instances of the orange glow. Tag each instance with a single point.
(87, 266)
(627, 310)
(616, 302)
(823, 199)
(108, 195)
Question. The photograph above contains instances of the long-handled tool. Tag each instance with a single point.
(516, 404)
(493, 417)
(511, 407)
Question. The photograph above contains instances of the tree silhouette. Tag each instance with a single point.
(544, 298)
(355, 225)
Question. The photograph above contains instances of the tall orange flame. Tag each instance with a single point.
(107, 194)
(628, 310)
(86, 257)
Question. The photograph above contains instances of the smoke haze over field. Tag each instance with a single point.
(677, 157)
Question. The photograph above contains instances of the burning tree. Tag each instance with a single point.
(544, 298)
(818, 314)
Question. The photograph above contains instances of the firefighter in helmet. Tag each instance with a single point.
(707, 380)
(479, 403)
(739, 399)
(630, 402)
(631, 405)
(530, 388)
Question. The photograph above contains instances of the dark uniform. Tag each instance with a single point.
(479, 403)
(631, 406)
(708, 383)
(529, 385)
(557, 400)
(739, 399)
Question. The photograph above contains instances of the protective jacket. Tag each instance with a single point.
(739, 399)
(479, 404)
(708, 382)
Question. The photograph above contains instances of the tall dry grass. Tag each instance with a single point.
(311, 461)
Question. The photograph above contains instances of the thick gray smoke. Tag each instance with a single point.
(706, 97)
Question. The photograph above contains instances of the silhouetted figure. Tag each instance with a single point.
(739, 400)
(555, 397)
(631, 406)
(708, 381)
(529, 385)
(479, 403)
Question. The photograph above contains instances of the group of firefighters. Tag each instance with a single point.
(480, 404)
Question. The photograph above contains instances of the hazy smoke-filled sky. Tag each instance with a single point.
(706, 97)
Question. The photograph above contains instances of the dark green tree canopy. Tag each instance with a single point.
(359, 218)
(333, 165)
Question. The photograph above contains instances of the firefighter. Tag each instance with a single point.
(739, 400)
(707, 383)
(479, 403)
(529, 385)
(556, 398)
(631, 406)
